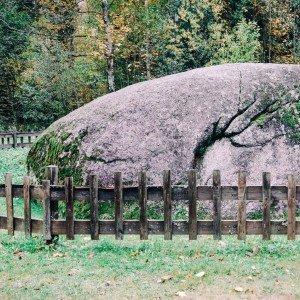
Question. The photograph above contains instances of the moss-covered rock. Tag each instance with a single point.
(54, 148)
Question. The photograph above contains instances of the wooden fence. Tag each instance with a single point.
(50, 193)
(17, 139)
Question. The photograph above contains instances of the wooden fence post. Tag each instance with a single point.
(27, 206)
(266, 191)
(192, 195)
(93, 182)
(15, 139)
(69, 198)
(241, 205)
(119, 226)
(47, 211)
(291, 208)
(143, 205)
(9, 204)
(217, 198)
(167, 198)
(52, 176)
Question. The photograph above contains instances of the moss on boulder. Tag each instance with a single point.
(54, 148)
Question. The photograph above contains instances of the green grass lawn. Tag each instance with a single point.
(13, 161)
(132, 268)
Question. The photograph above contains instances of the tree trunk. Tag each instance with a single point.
(296, 37)
(109, 46)
(270, 32)
(148, 60)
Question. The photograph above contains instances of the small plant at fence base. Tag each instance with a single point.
(50, 194)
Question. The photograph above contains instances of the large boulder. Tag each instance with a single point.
(228, 117)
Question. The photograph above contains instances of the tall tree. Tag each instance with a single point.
(16, 17)
(109, 46)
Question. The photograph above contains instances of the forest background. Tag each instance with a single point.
(56, 55)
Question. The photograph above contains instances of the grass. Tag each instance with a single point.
(135, 269)
(14, 161)
(87, 269)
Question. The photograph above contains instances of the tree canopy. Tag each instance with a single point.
(58, 55)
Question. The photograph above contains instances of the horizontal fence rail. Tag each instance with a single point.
(50, 193)
(17, 139)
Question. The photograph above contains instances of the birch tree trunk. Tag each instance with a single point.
(109, 46)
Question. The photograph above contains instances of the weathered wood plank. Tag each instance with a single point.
(9, 203)
(241, 205)
(155, 193)
(107, 227)
(52, 175)
(291, 208)
(15, 141)
(47, 211)
(27, 206)
(143, 197)
(192, 183)
(217, 197)
(167, 198)
(69, 198)
(266, 195)
(119, 222)
(94, 224)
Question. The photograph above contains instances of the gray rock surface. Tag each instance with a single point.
(222, 117)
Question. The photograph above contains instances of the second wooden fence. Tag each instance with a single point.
(17, 139)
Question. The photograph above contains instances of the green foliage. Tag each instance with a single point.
(290, 117)
(186, 44)
(241, 45)
(55, 87)
(54, 55)
(16, 17)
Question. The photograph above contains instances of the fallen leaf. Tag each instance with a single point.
(200, 274)
(180, 294)
(91, 255)
(73, 272)
(222, 244)
(165, 278)
(197, 254)
(135, 253)
(57, 254)
(255, 250)
(238, 289)
(107, 283)
(19, 254)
